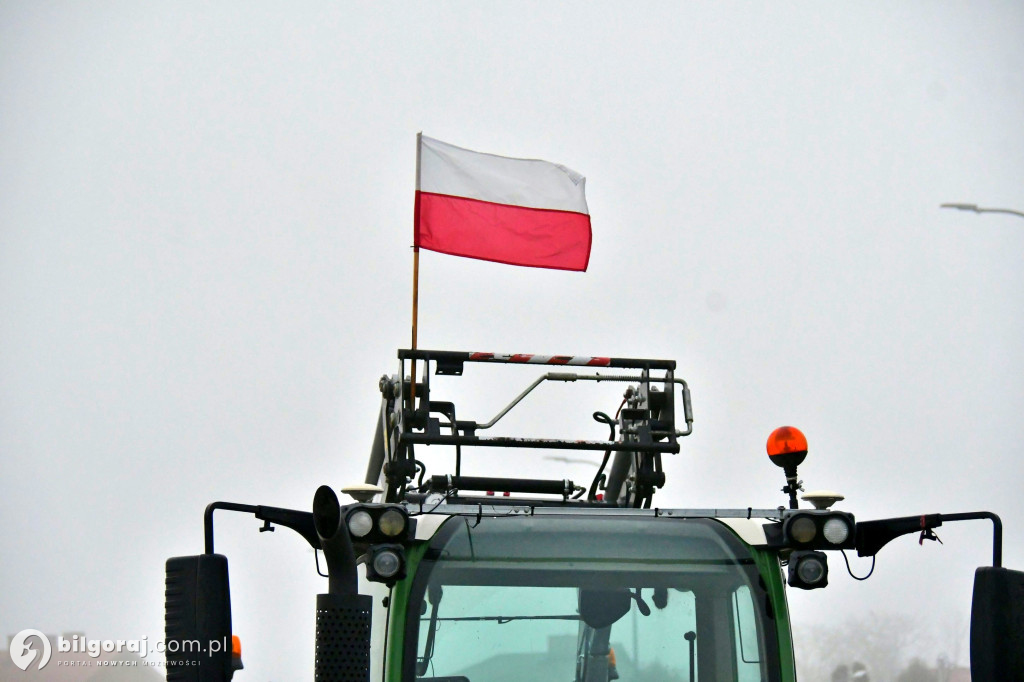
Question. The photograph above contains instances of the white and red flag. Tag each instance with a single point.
(515, 211)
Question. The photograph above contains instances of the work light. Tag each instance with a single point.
(374, 523)
(808, 570)
(818, 529)
(385, 564)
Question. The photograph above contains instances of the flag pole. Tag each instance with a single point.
(415, 273)
(415, 307)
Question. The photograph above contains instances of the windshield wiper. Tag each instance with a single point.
(434, 593)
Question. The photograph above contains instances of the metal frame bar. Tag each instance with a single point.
(651, 433)
(448, 356)
(539, 510)
(540, 443)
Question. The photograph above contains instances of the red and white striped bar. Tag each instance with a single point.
(577, 360)
(443, 356)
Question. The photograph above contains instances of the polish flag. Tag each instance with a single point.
(515, 211)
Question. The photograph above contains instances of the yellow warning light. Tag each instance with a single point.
(236, 653)
(785, 440)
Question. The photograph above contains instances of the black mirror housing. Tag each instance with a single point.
(602, 608)
(997, 625)
(197, 625)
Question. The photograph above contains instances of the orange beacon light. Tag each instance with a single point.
(787, 448)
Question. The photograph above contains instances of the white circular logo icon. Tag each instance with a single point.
(22, 654)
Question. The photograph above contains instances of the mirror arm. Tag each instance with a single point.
(208, 519)
(997, 531)
(873, 535)
(299, 521)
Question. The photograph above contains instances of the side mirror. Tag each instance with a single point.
(197, 625)
(997, 625)
(601, 608)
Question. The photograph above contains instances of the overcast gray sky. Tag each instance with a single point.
(205, 222)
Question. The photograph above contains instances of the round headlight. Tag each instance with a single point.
(386, 563)
(802, 529)
(836, 531)
(392, 523)
(811, 570)
(360, 523)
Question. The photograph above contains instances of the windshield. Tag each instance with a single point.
(567, 599)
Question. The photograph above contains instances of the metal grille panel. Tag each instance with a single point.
(343, 638)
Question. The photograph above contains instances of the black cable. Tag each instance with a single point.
(444, 497)
(850, 571)
(638, 502)
(599, 476)
(423, 470)
(611, 422)
(391, 593)
(599, 480)
(605, 419)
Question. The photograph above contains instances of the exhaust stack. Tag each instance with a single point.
(343, 616)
